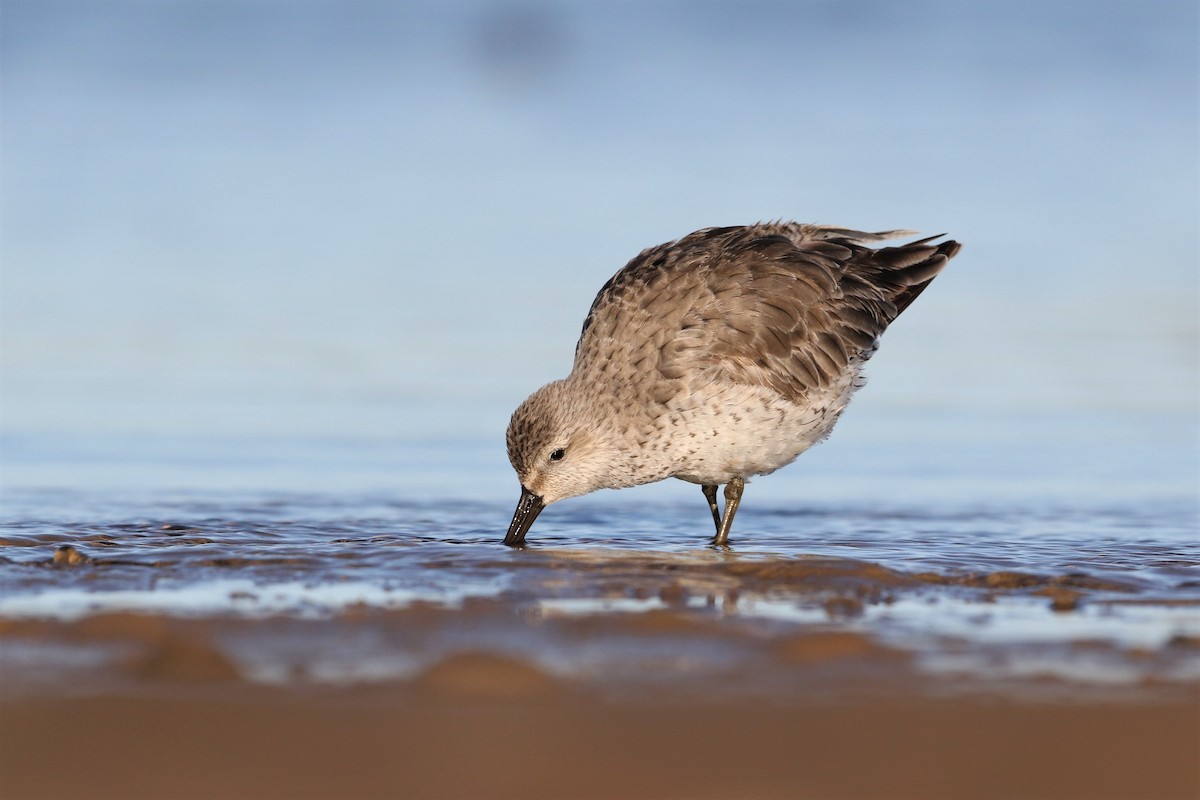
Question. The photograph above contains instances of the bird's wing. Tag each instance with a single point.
(778, 305)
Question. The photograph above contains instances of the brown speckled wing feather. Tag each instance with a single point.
(780, 305)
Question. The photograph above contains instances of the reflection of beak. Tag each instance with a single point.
(528, 507)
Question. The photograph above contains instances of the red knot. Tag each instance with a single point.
(714, 358)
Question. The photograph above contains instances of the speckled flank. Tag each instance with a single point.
(719, 356)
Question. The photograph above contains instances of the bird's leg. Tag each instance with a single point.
(733, 498)
(710, 494)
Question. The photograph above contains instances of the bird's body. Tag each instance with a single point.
(714, 358)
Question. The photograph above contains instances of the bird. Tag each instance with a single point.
(715, 358)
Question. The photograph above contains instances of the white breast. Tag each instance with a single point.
(729, 431)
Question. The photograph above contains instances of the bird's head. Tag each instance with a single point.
(558, 447)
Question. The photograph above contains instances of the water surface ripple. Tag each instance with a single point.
(606, 591)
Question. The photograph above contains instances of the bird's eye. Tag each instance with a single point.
(558, 454)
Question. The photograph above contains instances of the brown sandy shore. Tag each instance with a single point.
(478, 725)
(512, 697)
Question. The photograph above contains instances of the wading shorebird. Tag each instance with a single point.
(714, 358)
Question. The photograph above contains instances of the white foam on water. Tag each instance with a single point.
(240, 597)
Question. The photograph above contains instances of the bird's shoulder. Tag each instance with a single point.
(783, 305)
(735, 258)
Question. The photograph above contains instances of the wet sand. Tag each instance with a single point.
(486, 728)
(305, 649)
(815, 713)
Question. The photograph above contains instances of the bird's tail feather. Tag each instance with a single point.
(911, 267)
(861, 237)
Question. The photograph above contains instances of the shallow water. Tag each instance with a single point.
(613, 592)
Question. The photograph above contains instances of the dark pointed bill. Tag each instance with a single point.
(528, 507)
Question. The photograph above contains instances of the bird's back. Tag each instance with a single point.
(784, 306)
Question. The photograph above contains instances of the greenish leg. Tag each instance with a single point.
(710, 493)
(733, 498)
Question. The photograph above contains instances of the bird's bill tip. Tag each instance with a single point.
(528, 507)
